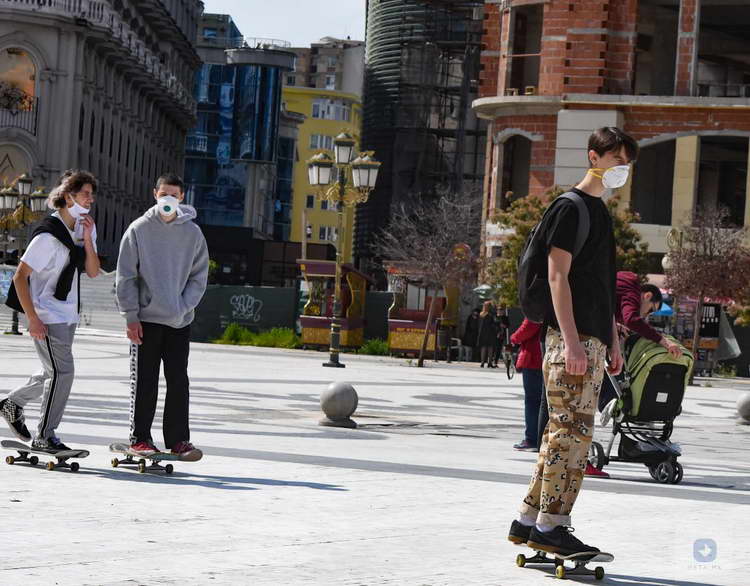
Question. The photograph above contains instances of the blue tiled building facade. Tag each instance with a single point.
(231, 154)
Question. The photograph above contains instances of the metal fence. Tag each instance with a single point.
(98, 307)
(25, 119)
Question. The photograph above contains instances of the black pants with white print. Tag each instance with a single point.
(172, 346)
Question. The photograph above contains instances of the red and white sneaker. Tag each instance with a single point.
(187, 451)
(594, 471)
(144, 448)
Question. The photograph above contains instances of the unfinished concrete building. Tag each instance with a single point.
(675, 74)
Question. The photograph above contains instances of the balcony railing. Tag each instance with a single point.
(246, 42)
(723, 90)
(24, 118)
(196, 143)
(100, 14)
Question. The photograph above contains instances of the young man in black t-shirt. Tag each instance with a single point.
(581, 335)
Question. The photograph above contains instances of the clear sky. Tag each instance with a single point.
(299, 21)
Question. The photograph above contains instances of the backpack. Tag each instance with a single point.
(533, 287)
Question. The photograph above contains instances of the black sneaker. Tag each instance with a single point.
(519, 533)
(51, 445)
(560, 541)
(13, 414)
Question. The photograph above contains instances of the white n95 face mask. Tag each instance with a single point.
(613, 177)
(168, 205)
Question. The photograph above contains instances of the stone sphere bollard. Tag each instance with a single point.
(743, 407)
(338, 402)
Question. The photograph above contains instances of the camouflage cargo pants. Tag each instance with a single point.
(572, 401)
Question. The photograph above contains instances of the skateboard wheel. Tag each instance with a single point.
(141, 462)
(74, 466)
(520, 560)
(169, 468)
(115, 462)
(598, 572)
(50, 465)
(560, 571)
(141, 466)
(33, 460)
(10, 460)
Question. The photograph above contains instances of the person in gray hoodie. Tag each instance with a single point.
(162, 272)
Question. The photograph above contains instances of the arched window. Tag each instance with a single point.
(516, 169)
(17, 76)
(722, 178)
(653, 180)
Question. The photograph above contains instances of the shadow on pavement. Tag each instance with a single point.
(647, 581)
(206, 480)
(623, 580)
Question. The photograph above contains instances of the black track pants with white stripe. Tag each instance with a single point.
(54, 381)
(172, 346)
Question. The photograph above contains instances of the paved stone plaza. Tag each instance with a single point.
(421, 494)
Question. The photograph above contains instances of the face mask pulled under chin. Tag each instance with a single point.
(77, 212)
(613, 177)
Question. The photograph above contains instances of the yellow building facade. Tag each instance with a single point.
(328, 113)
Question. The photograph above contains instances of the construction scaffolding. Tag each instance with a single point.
(423, 61)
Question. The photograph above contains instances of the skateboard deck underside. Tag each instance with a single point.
(25, 448)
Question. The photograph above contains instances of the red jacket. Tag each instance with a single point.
(628, 309)
(528, 337)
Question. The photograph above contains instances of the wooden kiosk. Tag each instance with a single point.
(407, 316)
(317, 314)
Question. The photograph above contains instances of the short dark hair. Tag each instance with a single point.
(72, 181)
(656, 296)
(170, 179)
(610, 138)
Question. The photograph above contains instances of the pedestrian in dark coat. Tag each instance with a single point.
(487, 338)
(471, 333)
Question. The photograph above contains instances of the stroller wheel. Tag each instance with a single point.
(652, 471)
(677, 478)
(596, 455)
(665, 472)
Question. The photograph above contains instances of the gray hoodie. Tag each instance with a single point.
(162, 269)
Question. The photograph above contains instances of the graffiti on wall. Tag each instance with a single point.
(246, 308)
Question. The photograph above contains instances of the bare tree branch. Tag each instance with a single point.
(437, 243)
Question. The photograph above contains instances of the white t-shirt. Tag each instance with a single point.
(47, 257)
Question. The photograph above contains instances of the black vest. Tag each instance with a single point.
(55, 226)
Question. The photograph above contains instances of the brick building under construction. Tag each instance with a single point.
(675, 74)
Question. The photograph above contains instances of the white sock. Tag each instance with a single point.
(544, 528)
(527, 520)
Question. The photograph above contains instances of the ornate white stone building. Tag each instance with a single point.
(102, 85)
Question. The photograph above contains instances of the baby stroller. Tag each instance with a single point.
(649, 398)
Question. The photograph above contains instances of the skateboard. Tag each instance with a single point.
(62, 457)
(138, 460)
(579, 559)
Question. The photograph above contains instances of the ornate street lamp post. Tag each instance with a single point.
(364, 174)
(23, 208)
